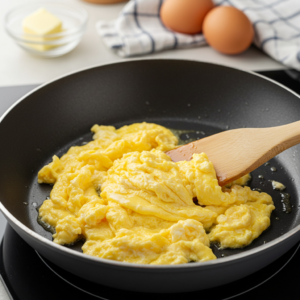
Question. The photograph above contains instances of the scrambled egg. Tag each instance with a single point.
(131, 203)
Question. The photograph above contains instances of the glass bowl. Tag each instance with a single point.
(74, 21)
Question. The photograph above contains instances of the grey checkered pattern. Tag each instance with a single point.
(138, 30)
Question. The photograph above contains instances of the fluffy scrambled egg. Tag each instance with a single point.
(125, 197)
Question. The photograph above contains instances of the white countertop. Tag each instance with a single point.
(18, 67)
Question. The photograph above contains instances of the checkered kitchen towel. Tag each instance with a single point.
(138, 30)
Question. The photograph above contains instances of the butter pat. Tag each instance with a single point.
(277, 185)
(42, 23)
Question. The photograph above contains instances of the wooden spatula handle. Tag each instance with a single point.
(285, 136)
(237, 152)
(268, 142)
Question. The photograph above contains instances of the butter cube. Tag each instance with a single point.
(41, 23)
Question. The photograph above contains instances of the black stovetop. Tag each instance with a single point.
(27, 275)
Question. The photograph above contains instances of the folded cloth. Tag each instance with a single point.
(138, 30)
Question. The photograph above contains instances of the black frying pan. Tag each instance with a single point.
(177, 94)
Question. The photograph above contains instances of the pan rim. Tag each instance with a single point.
(132, 266)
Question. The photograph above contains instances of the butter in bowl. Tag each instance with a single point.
(46, 29)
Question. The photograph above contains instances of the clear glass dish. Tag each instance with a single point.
(74, 21)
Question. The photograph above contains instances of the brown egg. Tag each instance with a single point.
(228, 30)
(185, 16)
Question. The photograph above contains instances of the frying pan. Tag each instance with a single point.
(177, 94)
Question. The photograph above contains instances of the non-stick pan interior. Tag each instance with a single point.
(177, 94)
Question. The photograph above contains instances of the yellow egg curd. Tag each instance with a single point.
(125, 197)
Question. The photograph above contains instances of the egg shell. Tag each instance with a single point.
(185, 16)
(228, 30)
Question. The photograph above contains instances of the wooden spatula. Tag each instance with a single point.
(237, 152)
